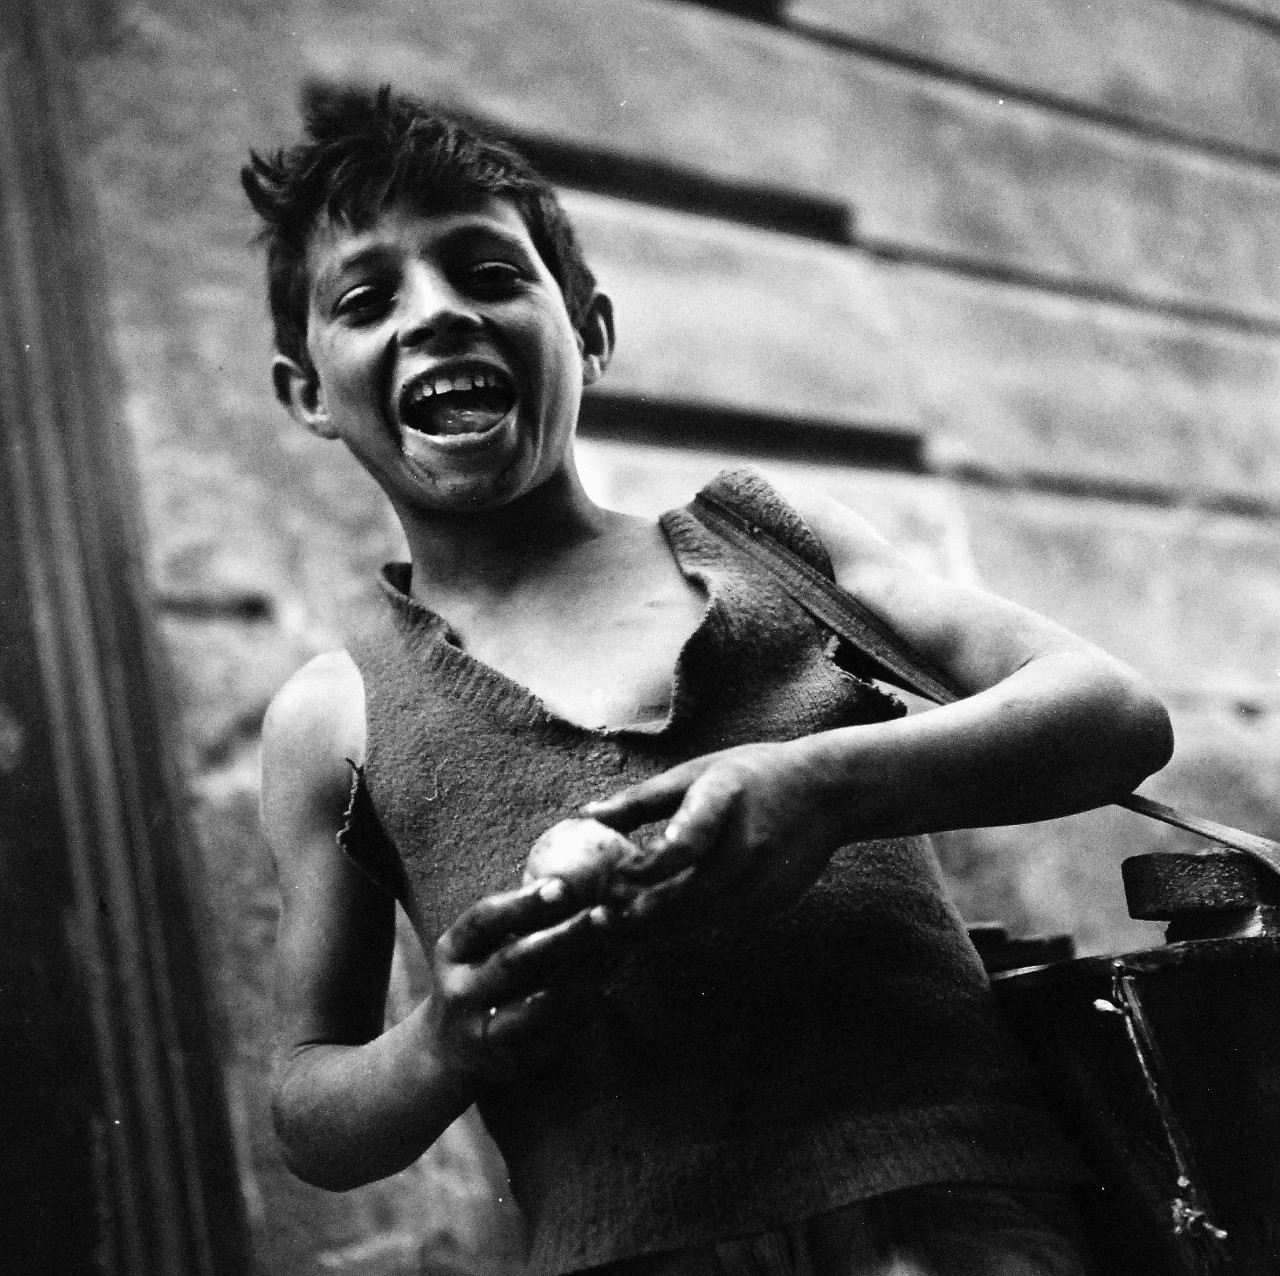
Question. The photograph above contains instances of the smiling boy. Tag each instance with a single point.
(785, 1052)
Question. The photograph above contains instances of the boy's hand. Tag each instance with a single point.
(750, 830)
(502, 999)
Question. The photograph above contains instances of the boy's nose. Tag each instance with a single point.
(433, 311)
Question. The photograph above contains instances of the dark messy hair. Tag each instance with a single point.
(363, 151)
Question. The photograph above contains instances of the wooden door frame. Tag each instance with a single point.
(118, 1086)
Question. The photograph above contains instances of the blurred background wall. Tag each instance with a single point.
(1004, 275)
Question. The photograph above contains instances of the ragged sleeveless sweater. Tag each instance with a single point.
(737, 1079)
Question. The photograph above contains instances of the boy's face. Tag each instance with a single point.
(444, 354)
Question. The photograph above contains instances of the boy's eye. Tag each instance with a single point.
(493, 276)
(362, 303)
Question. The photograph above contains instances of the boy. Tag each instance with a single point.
(782, 1056)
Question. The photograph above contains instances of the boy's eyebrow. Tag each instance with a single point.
(370, 254)
(483, 228)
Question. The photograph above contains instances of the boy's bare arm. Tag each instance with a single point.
(1051, 726)
(351, 1102)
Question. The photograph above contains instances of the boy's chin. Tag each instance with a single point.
(468, 481)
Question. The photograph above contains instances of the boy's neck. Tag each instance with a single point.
(489, 553)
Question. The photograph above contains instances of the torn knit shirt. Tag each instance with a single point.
(737, 1078)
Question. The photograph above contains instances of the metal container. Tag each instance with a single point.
(1164, 1066)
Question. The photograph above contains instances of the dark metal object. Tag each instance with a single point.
(1210, 894)
(1162, 1066)
(1165, 1068)
(1000, 953)
(1189, 1209)
(117, 1152)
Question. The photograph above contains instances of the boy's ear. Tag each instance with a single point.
(595, 334)
(299, 389)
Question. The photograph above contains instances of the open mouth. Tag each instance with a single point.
(464, 401)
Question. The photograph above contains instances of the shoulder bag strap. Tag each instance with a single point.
(902, 665)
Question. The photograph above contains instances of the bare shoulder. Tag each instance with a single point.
(313, 730)
(974, 635)
(326, 695)
(853, 545)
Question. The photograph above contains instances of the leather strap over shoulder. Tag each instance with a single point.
(839, 611)
(868, 633)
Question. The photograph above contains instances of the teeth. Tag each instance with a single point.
(463, 381)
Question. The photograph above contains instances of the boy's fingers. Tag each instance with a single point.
(665, 907)
(524, 965)
(490, 922)
(505, 1024)
(692, 833)
(698, 895)
(700, 820)
(500, 1032)
(530, 1031)
(560, 1008)
(652, 799)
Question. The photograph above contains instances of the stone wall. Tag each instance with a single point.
(1004, 276)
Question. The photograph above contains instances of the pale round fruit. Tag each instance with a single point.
(584, 854)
